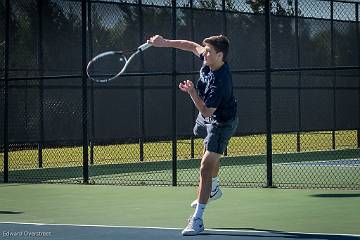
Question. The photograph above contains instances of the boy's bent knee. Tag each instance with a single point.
(209, 162)
(210, 157)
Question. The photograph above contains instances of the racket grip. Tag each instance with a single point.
(144, 46)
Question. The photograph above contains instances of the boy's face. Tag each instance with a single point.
(211, 57)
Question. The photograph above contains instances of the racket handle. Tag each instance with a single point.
(144, 46)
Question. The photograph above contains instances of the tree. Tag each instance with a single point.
(258, 6)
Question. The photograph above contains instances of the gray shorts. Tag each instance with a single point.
(216, 135)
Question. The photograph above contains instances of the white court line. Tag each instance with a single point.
(346, 162)
(168, 228)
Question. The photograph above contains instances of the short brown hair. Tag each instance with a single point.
(220, 44)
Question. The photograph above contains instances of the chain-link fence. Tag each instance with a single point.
(295, 66)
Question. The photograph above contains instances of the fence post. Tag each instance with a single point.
(6, 95)
(40, 63)
(193, 108)
(333, 64)
(92, 96)
(224, 23)
(174, 91)
(224, 30)
(84, 94)
(298, 135)
(358, 41)
(268, 94)
(142, 88)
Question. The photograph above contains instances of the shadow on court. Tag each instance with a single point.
(337, 195)
(74, 232)
(10, 212)
(253, 233)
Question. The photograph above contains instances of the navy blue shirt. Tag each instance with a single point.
(216, 90)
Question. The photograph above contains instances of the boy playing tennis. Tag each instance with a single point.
(217, 119)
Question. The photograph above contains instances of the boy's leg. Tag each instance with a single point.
(217, 166)
(216, 192)
(209, 161)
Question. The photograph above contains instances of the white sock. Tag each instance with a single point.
(215, 179)
(215, 183)
(199, 211)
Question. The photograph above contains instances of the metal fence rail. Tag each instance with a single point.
(295, 65)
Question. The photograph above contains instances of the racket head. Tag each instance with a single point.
(106, 66)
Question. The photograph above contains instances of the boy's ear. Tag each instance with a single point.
(221, 55)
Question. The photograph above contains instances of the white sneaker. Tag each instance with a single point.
(214, 195)
(194, 227)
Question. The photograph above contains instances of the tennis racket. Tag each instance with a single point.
(107, 66)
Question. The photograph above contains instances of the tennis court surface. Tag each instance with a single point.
(76, 212)
(92, 232)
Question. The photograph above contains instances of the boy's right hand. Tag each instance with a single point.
(157, 41)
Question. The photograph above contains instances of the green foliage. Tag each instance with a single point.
(208, 4)
(277, 7)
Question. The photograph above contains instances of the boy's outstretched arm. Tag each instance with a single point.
(159, 41)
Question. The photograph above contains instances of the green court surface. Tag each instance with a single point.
(309, 211)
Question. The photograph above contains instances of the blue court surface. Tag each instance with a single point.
(35, 231)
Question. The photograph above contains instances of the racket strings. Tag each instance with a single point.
(128, 51)
(107, 66)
